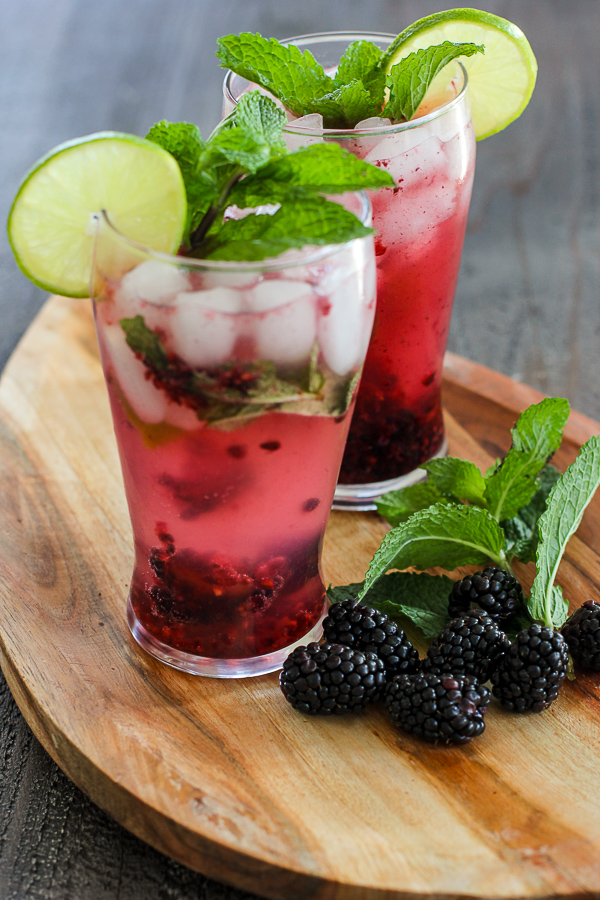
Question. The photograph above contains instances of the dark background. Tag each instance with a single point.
(527, 302)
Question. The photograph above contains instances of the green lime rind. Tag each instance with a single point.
(501, 82)
(136, 182)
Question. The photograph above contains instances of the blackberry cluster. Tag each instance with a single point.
(532, 670)
(581, 631)
(330, 679)
(438, 708)
(363, 628)
(469, 645)
(495, 591)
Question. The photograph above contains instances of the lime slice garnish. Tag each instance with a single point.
(137, 183)
(501, 81)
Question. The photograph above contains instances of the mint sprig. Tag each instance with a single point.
(506, 490)
(245, 163)
(360, 87)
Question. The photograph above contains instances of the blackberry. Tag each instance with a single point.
(369, 630)
(495, 591)
(532, 670)
(469, 645)
(329, 679)
(581, 631)
(438, 708)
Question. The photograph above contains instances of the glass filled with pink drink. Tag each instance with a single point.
(231, 387)
(420, 225)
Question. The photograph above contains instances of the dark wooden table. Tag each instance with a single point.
(527, 301)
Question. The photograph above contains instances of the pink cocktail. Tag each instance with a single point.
(420, 228)
(231, 389)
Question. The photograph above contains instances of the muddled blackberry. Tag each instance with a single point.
(330, 679)
(494, 590)
(581, 631)
(445, 709)
(532, 670)
(469, 645)
(354, 625)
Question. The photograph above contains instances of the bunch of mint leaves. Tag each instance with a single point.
(522, 508)
(245, 164)
(360, 89)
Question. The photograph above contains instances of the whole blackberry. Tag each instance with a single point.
(438, 708)
(581, 631)
(495, 591)
(367, 629)
(532, 670)
(329, 679)
(469, 645)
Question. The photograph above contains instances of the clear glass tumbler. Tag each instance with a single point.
(231, 387)
(420, 227)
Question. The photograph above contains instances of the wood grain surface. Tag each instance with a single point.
(223, 775)
(526, 303)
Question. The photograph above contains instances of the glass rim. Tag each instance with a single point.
(321, 37)
(271, 264)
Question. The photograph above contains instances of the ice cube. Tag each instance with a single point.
(204, 325)
(285, 331)
(155, 282)
(342, 326)
(311, 125)
(372, 122)
(148, 402)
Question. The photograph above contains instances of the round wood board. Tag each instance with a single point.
(224, 775)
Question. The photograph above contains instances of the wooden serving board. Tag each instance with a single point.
(225, 776)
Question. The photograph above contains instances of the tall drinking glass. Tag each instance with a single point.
(231, 387)
(420, 227)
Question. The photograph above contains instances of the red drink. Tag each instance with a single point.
(231, 390)
(420, 228)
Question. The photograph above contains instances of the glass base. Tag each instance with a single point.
(361, 497)
(211, 666)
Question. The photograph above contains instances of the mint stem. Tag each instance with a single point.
(213, 212)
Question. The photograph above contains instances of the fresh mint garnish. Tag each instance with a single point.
(291, 75)
(443, 535)
(409, 80)
(419, 597)
(307, 220)
(244, 163)
(317, 169)
(359, 86)
(145, 343)
(564, 510)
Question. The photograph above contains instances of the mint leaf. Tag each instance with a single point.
(409, 80)
(144, 342)
(295, 77)
(535, 437)
(398, 506)
(359, 63)
(346, 105)
(238, 147)
(521, 531)
(260, 118)
(311, 220)
(320, 168)
(564, 510)
(457, 478)
(443, 535)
